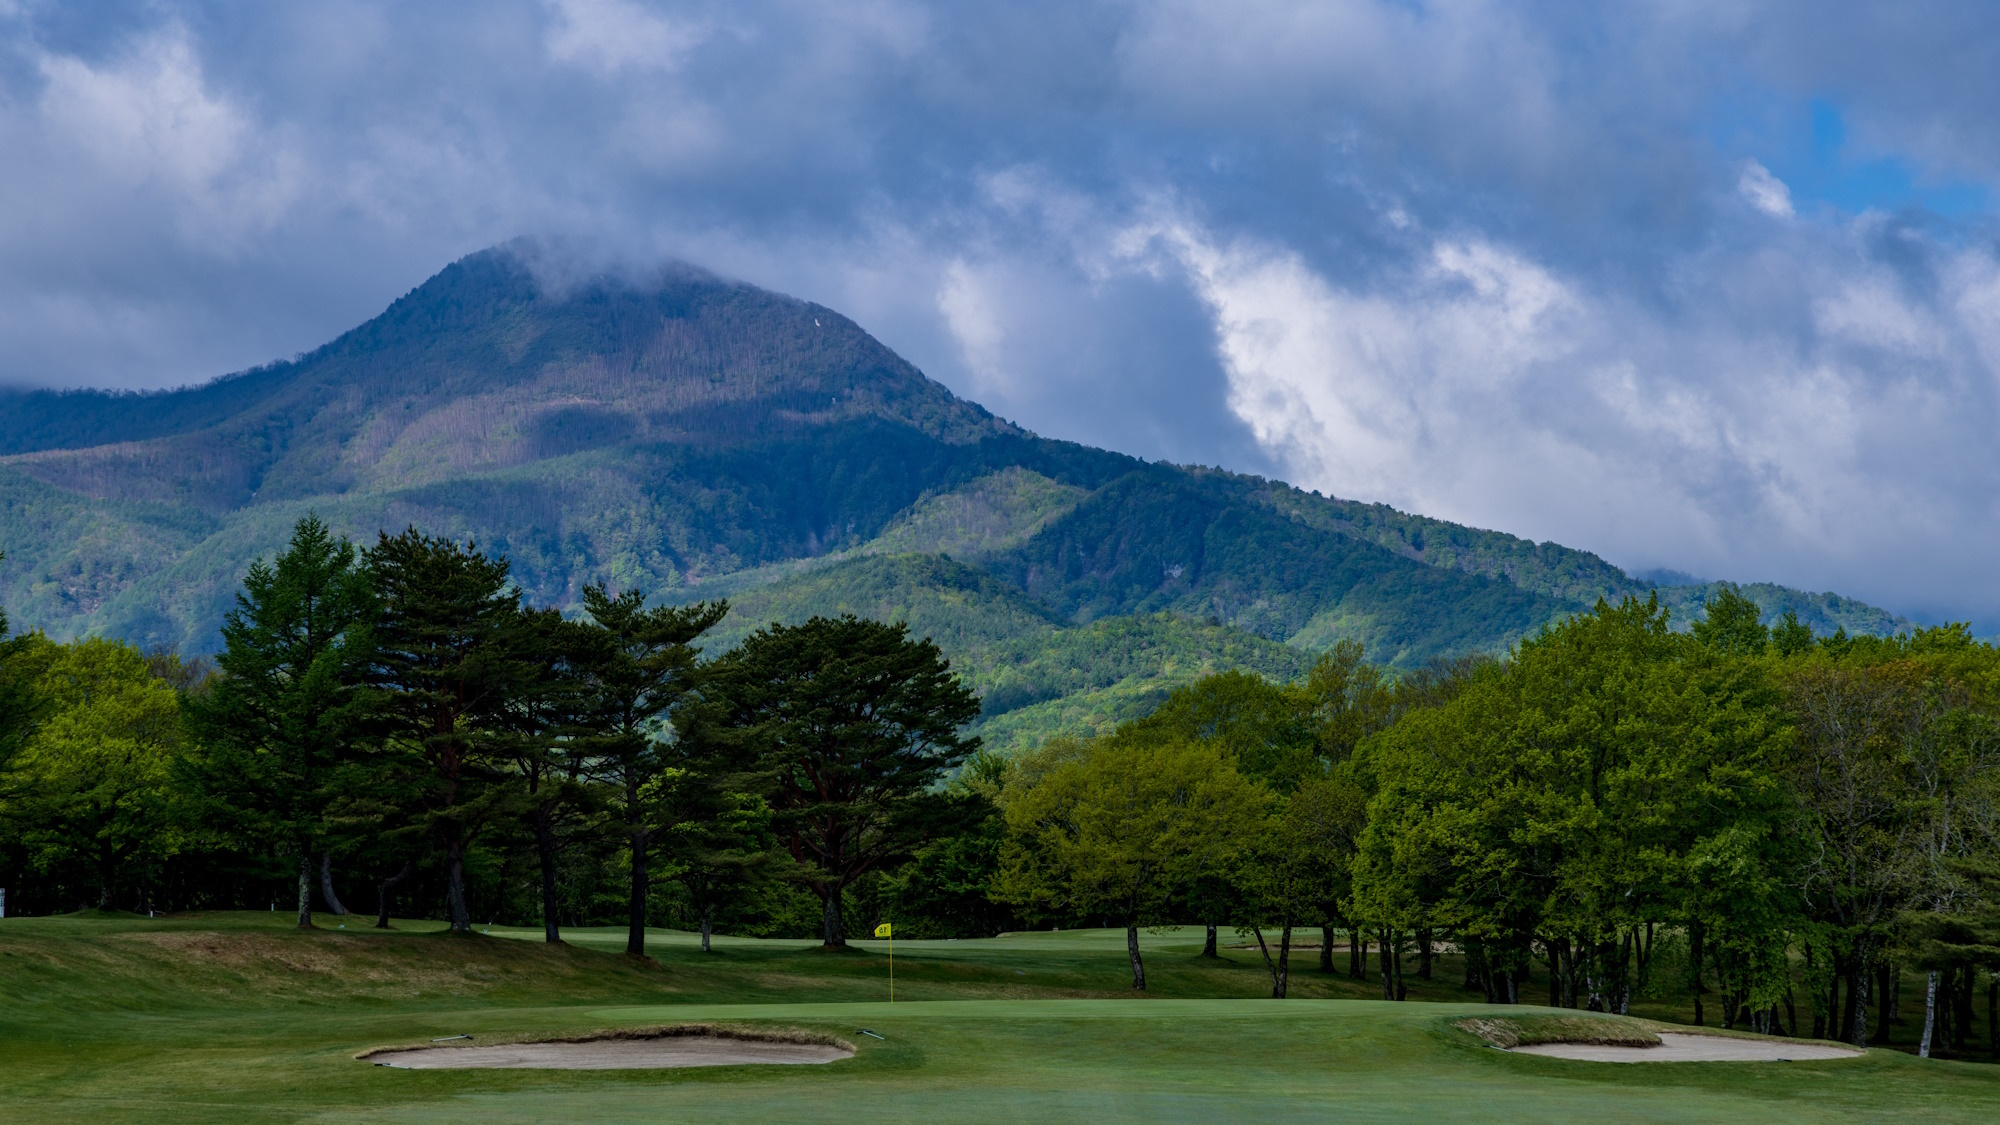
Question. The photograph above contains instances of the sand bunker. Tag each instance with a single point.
(1693, 1048)
(614, 1054)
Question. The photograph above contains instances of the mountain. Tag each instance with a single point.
(700, 437)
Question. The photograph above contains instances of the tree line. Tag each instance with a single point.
(1769, 827)
(1744, 818)
(398, 712)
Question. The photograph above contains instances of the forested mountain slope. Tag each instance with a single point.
(699, 437)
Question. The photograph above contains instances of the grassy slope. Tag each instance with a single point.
(238, 1018)
(1036, 676)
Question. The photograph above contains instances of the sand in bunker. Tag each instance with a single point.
(1693, 1048)
(614, 1054)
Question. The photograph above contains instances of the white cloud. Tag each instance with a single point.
(966, 299)
(150, 121)
(1767, 193)
(613, 35)
(1485, 387)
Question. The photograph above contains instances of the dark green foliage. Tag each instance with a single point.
(1211, 544)
(945, 890)
(1035, 676)
(848, 723)
(543, 727)
(286, 719)
(1790, 636)
(1732, 623)
(445, 663)
(641, 669)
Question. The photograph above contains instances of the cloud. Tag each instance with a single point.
(1767, 193)
(612, 35)
(1512, 262)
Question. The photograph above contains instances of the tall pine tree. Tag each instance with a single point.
(643, 669)
(285, 715)
(447, 659)
(850, 722)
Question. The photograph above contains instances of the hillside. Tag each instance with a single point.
(699, 437)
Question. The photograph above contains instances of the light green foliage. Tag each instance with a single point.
(92, 792)
(1037, 678)
(1120, 828)
(1265, 730)
(994, 513)
(1575, 793)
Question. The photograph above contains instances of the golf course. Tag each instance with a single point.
(242, 1017)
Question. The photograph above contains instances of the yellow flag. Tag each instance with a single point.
(882, 930)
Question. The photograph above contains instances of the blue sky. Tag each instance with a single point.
(1691, 284)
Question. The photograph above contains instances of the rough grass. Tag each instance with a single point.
(747, 1032)
(1527, 1030)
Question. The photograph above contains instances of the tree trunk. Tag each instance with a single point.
(1962, 1008)
(1326, 949)
(1857, 997)
(706, 913)
(461, 915)
(635, 915)
(1388, 979)
(1694, 967)
(326, 885)
(835, 930)
(305, 887)
(1397, 956)
(1882, 970)
(1424, 954)
(545, 851)
(382, 894)
(1993, 1018)
(1132, 949)
(1208, 946)
(1284, 960)
(1357, 955)
(1930, 1014)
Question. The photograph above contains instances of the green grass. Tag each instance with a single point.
(240, 1018)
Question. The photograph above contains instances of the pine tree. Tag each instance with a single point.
(284, 717)
(642, 669)
(849, 723)
(447, 661)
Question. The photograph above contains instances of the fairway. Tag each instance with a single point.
(240, 1018)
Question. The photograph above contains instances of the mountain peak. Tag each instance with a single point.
(505, 357)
